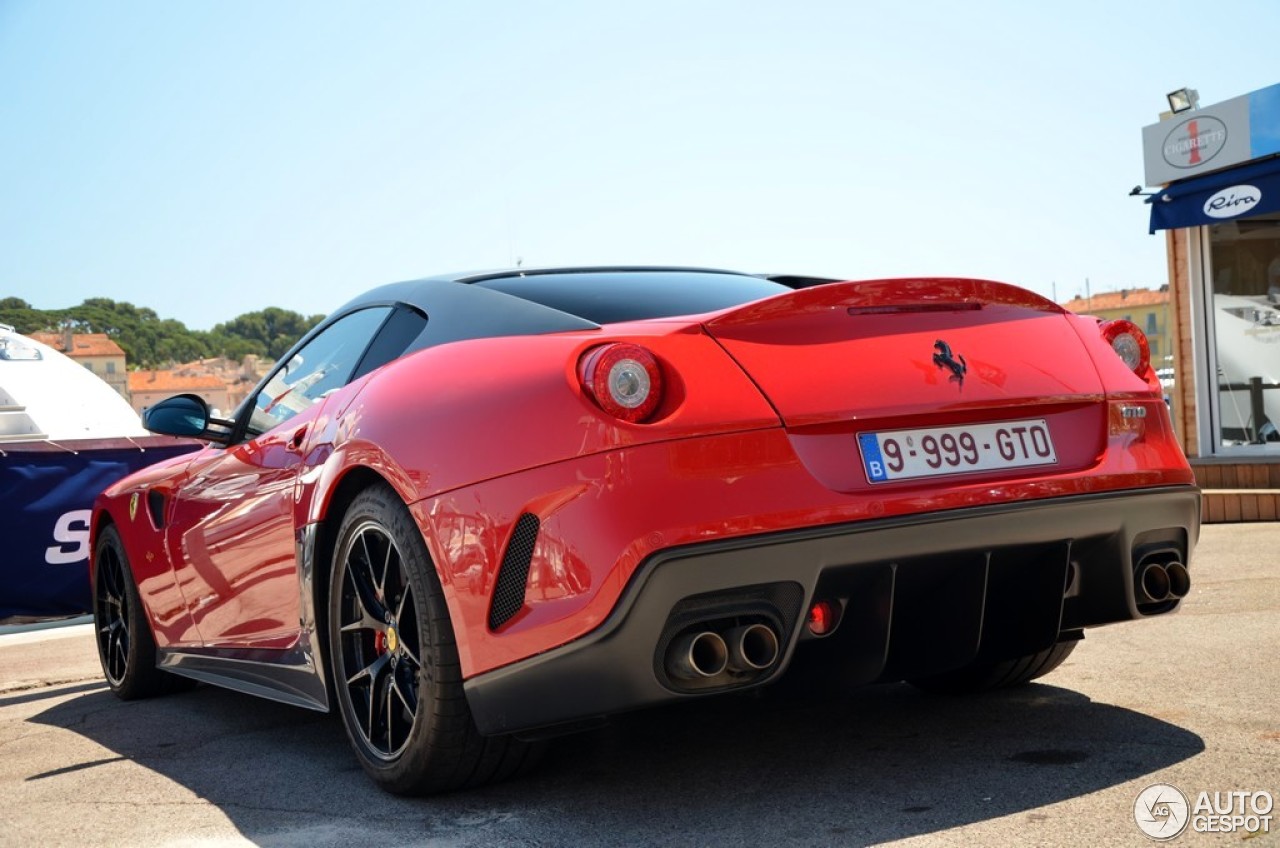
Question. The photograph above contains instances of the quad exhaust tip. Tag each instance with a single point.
(1179, 579)
(1156, 582)
(752, 648)
(696, 655)
(1153, 581)
(744, 649)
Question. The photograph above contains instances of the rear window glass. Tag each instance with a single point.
(606, 297)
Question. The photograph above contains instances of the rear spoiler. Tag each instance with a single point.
(927, 294)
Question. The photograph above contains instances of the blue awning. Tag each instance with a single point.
(1252, 189)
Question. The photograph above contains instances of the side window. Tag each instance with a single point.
(397, 334)
(325, 364)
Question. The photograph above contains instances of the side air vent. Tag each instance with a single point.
(513, 576)
(155, 506)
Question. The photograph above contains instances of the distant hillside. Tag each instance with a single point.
(151, 341)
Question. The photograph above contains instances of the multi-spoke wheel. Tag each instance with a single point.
(381, 645)
(395, 662)
(125, 644)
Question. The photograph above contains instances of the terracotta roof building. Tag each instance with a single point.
(1148, 308)
(240, 376)
(95, 351)
(148, 387)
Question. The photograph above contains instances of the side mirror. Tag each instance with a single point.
(187, 416)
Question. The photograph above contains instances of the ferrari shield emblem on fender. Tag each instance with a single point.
(133, 506)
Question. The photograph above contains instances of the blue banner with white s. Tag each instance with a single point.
(46, 500)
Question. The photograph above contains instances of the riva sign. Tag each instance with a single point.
(1232, 201)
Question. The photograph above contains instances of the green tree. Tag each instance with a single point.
(150, 341)
(276, 329)
(22, 316)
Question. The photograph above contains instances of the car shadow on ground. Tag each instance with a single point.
(784, 767)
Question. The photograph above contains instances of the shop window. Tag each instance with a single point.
(1244, 261)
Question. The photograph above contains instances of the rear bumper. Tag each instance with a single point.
(920, 595)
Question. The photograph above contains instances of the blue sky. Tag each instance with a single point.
(208, 159)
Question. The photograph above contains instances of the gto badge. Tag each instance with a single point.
(133, 506)
(944, 359)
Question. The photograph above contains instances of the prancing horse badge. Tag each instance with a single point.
(945, 359)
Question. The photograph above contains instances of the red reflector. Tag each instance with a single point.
(822, 618)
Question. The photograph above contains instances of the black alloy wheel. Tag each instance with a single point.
(125, 644)
(394, 659)
(381, 646)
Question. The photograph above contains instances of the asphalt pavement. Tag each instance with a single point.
(1189, 700)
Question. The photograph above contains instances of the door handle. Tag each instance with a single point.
(295, 441)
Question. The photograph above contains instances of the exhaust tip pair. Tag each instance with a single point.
(1157, 582)
(747, 648)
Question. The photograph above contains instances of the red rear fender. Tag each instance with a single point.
(466, 412)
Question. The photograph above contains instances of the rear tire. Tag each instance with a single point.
(981, 677)
(125, 644)
(394, 660)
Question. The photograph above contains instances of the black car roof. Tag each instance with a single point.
(476, 277)
(472, 311)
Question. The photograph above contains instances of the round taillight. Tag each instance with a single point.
(1129, 343)
(624, 380)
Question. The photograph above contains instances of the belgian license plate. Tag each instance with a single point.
(934, 451)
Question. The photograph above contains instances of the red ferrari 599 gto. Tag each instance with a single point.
(470, 511)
